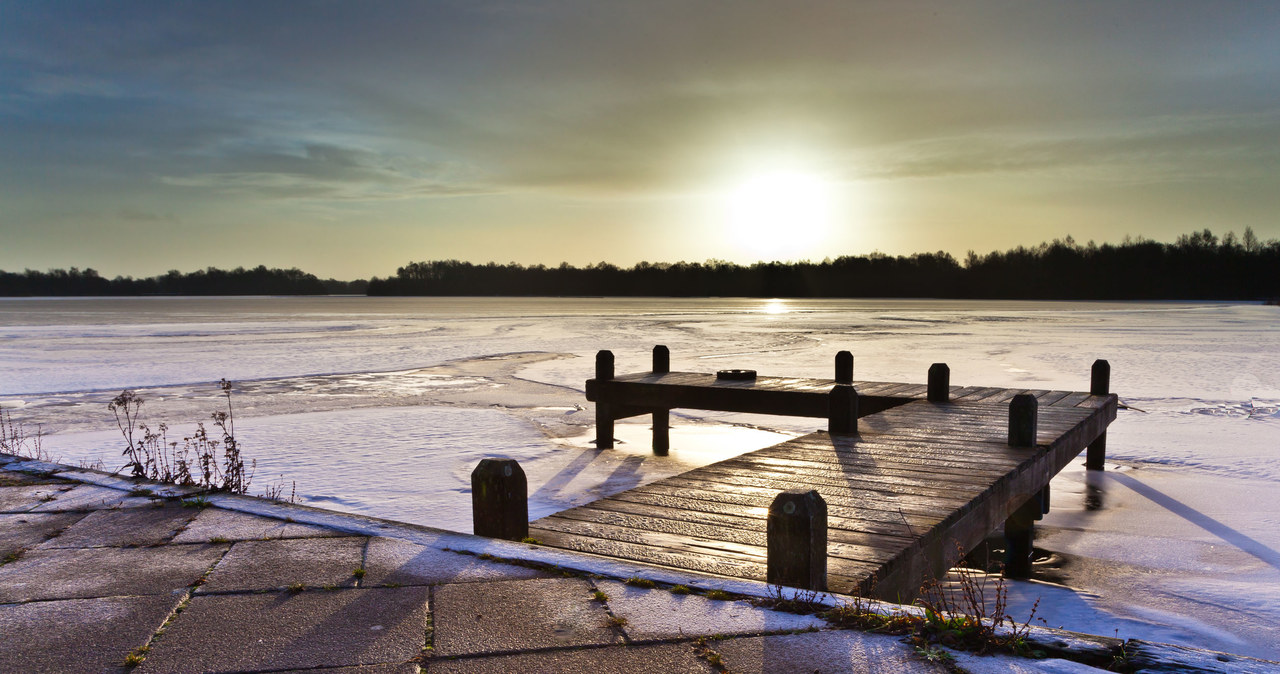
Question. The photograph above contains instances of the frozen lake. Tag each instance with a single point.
(383, 405)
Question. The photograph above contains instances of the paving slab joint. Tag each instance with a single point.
(615, 622)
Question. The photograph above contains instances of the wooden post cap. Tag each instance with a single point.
(604, 365)
(499, 500)
(842, 411)
(844, 368)
(797, 540)
(1100, 378)
(1023, 412)
(939, 383)
(661, 359)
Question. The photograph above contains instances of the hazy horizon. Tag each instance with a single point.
(348, 139)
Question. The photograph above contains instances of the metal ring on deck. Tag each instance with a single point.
(736, 375)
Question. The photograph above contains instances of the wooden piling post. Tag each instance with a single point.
(661, 432)
(844, 368)
(1019, 536)
(842, 411)
(1099, 385)
(661, 359)
(499, 500)
(1022, 420)
(939, 383)
(604, 415)
(797, 540)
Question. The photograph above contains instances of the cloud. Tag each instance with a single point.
(139, 215)
(330, 172)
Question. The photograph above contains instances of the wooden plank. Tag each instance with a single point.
(1052, 398)
(918, 480)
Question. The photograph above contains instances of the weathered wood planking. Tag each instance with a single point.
(918, 485)
(786, 396)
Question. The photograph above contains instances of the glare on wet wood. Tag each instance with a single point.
(916, 485)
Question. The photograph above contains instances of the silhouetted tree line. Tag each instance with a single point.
(211, 281)
(1197, 266)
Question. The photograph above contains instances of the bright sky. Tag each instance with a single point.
(348, 138)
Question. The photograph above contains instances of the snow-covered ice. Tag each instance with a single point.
(382, 406)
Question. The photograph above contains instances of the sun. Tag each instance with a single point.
(780, 214)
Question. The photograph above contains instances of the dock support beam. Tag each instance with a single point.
(1099, 385)
(1023, 413)
(797, 540)
(661, 359)
(604, 415)
(499, 500)
(1019, 534)
(844, 368)
(842, 414)
(939, 383)
(1019, 527)
(661, 418)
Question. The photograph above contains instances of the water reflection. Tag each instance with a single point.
(1093, 490)
(775, 307)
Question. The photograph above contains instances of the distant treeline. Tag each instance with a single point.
(1196, 266)
(211, 281)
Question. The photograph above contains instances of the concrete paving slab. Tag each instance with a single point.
(471, 618)
(124, 527)
(238, 632)
(29, 497)
(18, 532)
(659, 614)
(79, 635)
(1008, 664)
(219, 524)
(389, 560)
(269, 565)
(672, 658)
(407, 668)
(105, 572)
(838, 651)
(91, 497)
(9, 478)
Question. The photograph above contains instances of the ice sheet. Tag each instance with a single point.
(1176, 542)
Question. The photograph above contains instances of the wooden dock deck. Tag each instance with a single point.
(919, 484)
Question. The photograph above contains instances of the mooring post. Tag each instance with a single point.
(939, 383)
(661, 359)
(604, 415)
(844, 368)
(842, 410)
(1099, 385)
(661, 418)
(1019, 535)
(797, 540)
(499, 500)
(1043, 498)
(1022, 420)
(1019, 527)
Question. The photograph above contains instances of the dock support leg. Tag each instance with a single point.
(844, 367)
(604, 413)
(661, 432)
(1019, 532)
(604, 426)
(1023, 420)
(939, 383)
(1099, 385)
(499, 500)
(842, 410)
(796, 536)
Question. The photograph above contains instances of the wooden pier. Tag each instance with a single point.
(907, 477)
